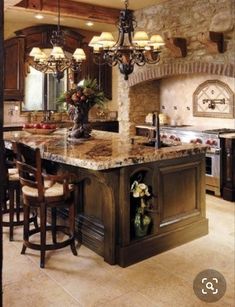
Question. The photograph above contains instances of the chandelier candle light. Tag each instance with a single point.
(130, 49)
(57, 62)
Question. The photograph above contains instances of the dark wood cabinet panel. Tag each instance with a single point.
(111, 126)
(14, 69)
(39, 36)
(102, 73)
(228, 168)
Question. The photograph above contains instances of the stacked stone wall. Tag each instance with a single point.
(186, 19)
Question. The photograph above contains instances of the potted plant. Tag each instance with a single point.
(142, 221)
(79, 101)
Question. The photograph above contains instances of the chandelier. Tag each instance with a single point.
(130, 48)
(57, 62)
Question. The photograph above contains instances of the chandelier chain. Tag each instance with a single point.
(58, 5)
(58, 61)
(126, 4)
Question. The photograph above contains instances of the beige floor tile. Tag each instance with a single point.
(86, 280)
(37, 291)
(131, 299)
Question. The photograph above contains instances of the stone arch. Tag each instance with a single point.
(174, 69)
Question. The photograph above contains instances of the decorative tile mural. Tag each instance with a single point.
(213, 98)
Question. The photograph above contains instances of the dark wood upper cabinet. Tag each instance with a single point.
(14, 68)
(17, 50)
(102, 73)
(39, 36)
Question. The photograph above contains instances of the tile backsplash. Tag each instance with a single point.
(12, 114)
(176, 99)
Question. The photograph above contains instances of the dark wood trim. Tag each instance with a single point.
(148, 247)
(228, 169)
(1, 136)
(69, 8)
(14, 68)
(40, 36)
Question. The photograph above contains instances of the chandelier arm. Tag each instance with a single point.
(126, 4)
(41, 67)
(130, 48)
(110, 58)
(152, 57)
(97, 59)
(140, 63)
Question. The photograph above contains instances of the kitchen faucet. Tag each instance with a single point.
(157, 137)
(47, 115)
(154, 134)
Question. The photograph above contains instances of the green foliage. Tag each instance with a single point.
(87, 94)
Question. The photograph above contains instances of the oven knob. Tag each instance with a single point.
(172, 137)
(214, 143)
(164, 136)
(192, 141)
(209, 142)
(177, 139)
(198, 141)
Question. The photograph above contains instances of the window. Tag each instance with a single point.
(42, 91)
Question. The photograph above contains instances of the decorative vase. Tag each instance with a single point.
(142, 221)
(81, 128)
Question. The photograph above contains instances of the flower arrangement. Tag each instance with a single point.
(79, 100)
(141, 220)
(139, 189)
(85, 95)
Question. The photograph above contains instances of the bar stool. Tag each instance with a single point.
(12, 206)
(44, 191)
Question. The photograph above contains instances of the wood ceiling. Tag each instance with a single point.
(74, 13)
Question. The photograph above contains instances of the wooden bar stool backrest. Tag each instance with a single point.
(30, 168)
(43, 191)
(12, 205)
(29, 164)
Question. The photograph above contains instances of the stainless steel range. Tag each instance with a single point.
(211, 138)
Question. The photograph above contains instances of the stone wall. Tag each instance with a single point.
(186, 19)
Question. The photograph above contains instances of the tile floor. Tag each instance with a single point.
(86, 280)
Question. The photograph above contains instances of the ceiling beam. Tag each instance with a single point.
(73, 9)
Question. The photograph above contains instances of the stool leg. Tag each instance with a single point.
(35, 221)
(17, 191)
(43, 221)
(53, 224)
(72, 227)
(11, 212)
(26, 228)
(5, 200)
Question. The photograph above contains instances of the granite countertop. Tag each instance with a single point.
(227, 136)
(104, 150)
(13, 125)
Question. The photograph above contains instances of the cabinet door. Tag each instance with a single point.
(14, 69)
(102, 73)
(180, 199)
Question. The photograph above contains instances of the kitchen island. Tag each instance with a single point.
(106, 165)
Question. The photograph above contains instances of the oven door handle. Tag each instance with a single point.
(216, 151)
